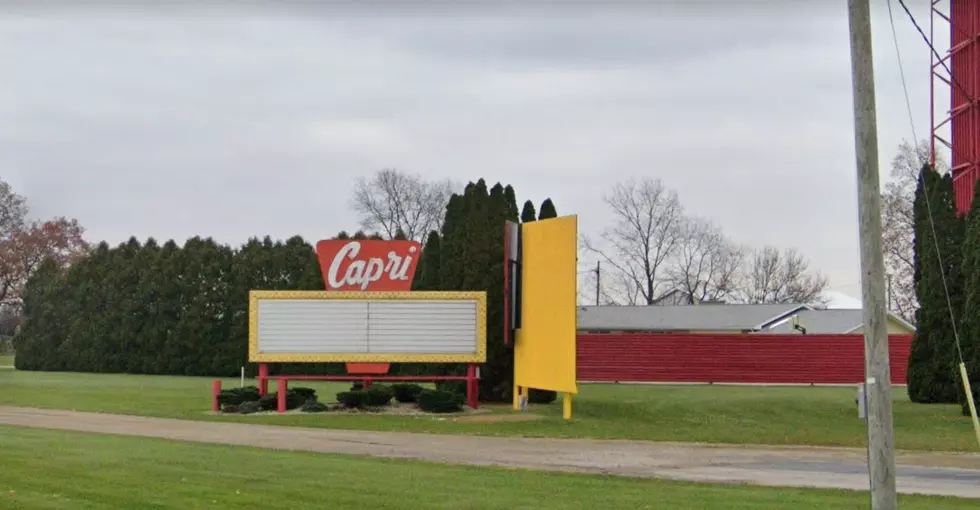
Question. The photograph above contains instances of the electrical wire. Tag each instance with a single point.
(925, 38)
(908, 104)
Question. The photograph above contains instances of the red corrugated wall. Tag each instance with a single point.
(731, 358)
(965, 126)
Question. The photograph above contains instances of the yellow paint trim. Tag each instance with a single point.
(254, 356)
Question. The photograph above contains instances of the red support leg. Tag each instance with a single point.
(215, 391)
(472, 387)
(263, 379)
(367, 383)
(281, 390)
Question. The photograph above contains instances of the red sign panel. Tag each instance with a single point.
(368, 266)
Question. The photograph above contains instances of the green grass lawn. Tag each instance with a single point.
(52, 469)
(710, 414)
(6, 361)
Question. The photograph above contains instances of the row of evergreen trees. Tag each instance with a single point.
(947, 279)
(151, 309)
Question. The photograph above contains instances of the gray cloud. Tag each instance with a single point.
(238, 123)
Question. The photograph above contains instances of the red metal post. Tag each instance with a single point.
(472, 387)
(263, 379)
(367, 383)
(215, 391)
(281, 389)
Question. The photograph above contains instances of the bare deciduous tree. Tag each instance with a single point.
(772, 276)
(898, 225)
(392, 200)
(613, 290)
(646, 234)
(707, 265)
(13, 211)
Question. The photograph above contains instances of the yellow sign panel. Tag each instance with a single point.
(544, 349)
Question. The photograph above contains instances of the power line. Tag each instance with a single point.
(908, 104)
(925, 38)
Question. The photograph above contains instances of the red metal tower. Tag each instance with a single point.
(963, 83)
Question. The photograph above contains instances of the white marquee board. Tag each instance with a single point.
(366, 327)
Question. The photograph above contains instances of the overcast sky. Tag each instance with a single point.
(234, 122)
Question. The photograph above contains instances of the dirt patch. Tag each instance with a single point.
(395, 409)
(498, 418)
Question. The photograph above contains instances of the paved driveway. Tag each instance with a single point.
(843, 468)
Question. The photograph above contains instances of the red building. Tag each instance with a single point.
(958, 71)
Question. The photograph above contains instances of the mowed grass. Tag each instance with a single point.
(6, 361)
(52, 469)
(708, 414)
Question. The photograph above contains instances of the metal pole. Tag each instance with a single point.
(597, 274)
(881, 442)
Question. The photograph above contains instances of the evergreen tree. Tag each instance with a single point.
(427, 274)
(511, 199)
(547, 210)
(932, 360)
(39, 339)
(528, 214)
(969, 343)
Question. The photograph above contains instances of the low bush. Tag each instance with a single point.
(236, 396)
(307, 394)
(249, 407)
(352, 399)
(406, 393)
(541, 396)
(312, 406)
(378, 396)
(437, 401)
(457, 387)
(357, 386)
(270, 402)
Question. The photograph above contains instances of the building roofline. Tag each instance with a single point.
(782, 316)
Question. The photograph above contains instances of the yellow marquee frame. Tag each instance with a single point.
(255, 356)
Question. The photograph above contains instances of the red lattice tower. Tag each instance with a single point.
(963, 83)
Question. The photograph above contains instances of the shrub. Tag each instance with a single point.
(378, 396)
(236, 396)
(307, 394)
(270, 402)
(437, 401)
(352, 399)
(249, 407)
(457, 387)
(406, 393)
(312, 406)
(357, 386)
(541, 396)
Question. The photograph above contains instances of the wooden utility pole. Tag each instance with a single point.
(597, 285)
(881, 440)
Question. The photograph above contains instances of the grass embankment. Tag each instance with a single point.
(709, 414)
(52, 469)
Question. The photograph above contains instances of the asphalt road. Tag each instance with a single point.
(830, 468)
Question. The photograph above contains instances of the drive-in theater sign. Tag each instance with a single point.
(367, 318)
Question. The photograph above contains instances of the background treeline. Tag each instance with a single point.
(933, 371)
(183, 310)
